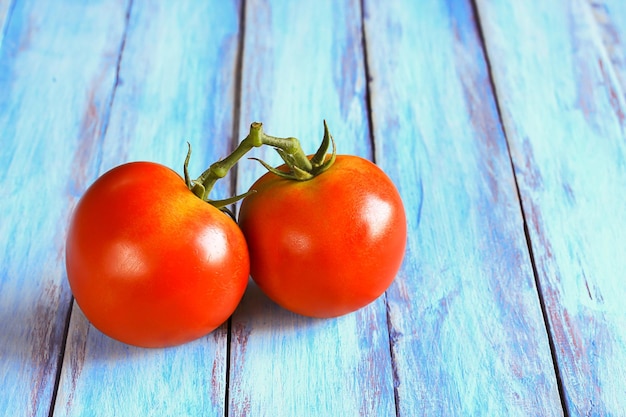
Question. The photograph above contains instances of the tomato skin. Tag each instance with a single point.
(149, 263)
(327, 246)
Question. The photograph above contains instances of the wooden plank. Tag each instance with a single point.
(57, 69)
(303, 62)
(175, 84)
(563, 112)
(5, 12)
(610, 18)
(467, 332)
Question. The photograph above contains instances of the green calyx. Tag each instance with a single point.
(300, 167)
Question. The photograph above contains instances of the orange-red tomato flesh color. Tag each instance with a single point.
(149, 263)
(326, 246)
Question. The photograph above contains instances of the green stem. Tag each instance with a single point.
(219, 169)
(289, 149)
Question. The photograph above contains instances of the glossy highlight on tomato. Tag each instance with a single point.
(327, 246)
(151, 264)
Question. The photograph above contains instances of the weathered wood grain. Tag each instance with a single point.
(303, 62)
(57, 68)
(85, 86)
(175, 84)
(610, 17)
(467, 332)
(563, 112)
(5, 9)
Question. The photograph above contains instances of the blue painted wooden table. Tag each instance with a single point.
(501, 122)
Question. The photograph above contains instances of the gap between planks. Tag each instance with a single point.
(370, 122)
(105, 124)
(233, 176)
(544, 313)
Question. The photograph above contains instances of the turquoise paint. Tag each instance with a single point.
(463, 343)
(85, 86)
(567, 142)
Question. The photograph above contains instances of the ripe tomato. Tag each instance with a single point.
(149, 263)
(327, 246)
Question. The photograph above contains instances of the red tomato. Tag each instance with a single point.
(327, 246)
(149, 263)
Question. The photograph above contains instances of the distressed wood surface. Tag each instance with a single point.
(175, 89)
(466, 326)
(610, 19)
(563, 112)
(5, 6)
(55, 61)
(302, 63)
(502, 123)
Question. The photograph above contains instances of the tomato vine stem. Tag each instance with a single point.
(301, 168)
